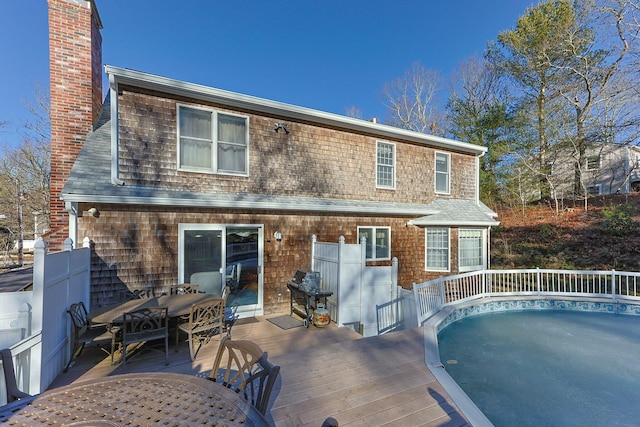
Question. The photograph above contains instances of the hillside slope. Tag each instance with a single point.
(573, 239)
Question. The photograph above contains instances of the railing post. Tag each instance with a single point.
(613, 284)
(441, 287)
(538, 285)
(484, 282)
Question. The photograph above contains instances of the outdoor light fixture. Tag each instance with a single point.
(282, 126)
(278, 236)
(94, 212)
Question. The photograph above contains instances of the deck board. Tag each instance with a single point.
(328, 371)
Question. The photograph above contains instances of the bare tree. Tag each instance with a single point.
(412, 100)
(24, 178)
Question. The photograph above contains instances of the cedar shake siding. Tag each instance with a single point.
(310, 161)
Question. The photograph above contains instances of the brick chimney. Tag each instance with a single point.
(75, 61)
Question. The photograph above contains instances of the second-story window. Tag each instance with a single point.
(442, 172)
(385, 165)
(593, 162)
(209, 141)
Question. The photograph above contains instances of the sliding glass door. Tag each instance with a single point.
(218, 255)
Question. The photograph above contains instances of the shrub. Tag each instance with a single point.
(618, 220)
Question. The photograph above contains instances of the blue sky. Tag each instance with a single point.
(328, 55)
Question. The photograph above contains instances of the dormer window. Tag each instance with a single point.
(213, 142)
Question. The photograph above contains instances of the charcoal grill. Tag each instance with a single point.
(306, 295)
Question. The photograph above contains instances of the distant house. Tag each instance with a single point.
(178, 182)
(606, 169)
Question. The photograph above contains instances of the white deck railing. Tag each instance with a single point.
(431, 296)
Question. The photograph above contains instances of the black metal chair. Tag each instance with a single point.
(83, 333)
(143, 325)
(243, 367)
(13, 393)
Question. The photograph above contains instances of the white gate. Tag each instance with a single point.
(357, 289)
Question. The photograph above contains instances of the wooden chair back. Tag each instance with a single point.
(243, 367)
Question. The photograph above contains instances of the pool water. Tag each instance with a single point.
(547, 368)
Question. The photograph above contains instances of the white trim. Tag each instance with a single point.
(115, 137)
(393, 166)
(435, 172)
(243, 310)
(214, 114)
(483, 254)
(426, 250)
(372, 242)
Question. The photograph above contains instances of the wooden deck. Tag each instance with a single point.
(331, 371)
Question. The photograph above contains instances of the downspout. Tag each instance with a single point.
(115, 138)
(72, 209)
(478, 178)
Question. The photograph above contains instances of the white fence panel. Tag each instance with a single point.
(58, 279)
(358, 290)
(378, 288)
(350, 285)
(325, 261)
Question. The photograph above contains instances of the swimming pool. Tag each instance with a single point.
(576, 364)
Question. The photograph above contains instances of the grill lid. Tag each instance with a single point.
(306, 280)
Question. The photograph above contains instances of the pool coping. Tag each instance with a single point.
(485, 305)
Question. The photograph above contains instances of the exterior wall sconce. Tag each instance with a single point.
(282, 126)
(278, 236)
(94, 212)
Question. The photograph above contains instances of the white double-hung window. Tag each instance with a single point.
(437, 249)
(385, 165)
(443, 172)
(471, 248)
(378, 242)
(209, 141)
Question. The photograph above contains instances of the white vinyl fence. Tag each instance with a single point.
(431, 296)
(39, 342)
(357, 289)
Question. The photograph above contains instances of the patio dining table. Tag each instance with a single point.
(177, 305)
(151, 398)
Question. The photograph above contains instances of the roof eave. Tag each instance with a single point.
(206, 93)
(308, 206)
(449, 223)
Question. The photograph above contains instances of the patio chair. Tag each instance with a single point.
(135, 294)
(243, 367)
(185, 288)
(205, 320)
(143, 325)
(13, 393)
(83, 332)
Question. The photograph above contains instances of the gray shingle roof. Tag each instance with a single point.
(455, 212)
